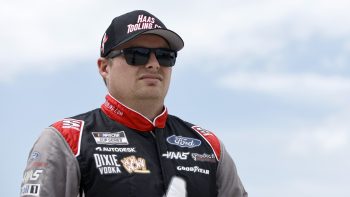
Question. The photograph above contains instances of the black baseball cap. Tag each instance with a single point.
(133, 24)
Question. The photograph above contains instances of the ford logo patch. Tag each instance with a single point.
(183, 141)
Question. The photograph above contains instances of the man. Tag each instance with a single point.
(131, 146)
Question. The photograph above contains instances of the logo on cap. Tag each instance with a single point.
(143, 22)
(104, 40)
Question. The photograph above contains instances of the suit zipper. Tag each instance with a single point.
(160, 162)
(153, 135)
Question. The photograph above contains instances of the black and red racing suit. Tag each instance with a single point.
(115, 151)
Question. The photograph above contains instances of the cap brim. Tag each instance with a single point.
(175, 41)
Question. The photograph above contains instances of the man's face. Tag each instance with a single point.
(143, 82)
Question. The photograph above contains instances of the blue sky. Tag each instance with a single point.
(270, 78)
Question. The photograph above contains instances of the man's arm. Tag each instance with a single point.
(52, 169)
(228, 181)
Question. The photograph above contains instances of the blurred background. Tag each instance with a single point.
(270, 77)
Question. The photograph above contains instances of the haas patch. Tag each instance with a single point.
(211, 139)
(71, 130)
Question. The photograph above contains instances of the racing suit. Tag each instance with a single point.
(115, 151)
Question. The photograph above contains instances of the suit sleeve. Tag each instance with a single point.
(52, 169)
(228, 181)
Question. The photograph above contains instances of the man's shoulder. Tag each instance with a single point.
(196, 128)
(71, 128)
(83, 117)
(208, 136)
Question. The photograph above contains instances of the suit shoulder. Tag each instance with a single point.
(72, 128)
(205, 134)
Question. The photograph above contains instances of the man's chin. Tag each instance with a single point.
(151, 94)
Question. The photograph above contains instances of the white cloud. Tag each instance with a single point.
(305, 86)
(36, 35)
(330, 136)
(302, 186)
(40, 37)
(320, 140)
(262, 28)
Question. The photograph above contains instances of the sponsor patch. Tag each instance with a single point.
(211, 139)
(107, 164)
(30, 189)
(116, 150)
(204, 157)
(183, 141)
(204, 132)
(194, 169)
(32, 175)
(110, 138)
(176, 155)
(35, 155)
(72, 124)
(135, 165)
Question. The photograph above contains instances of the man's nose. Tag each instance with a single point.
(153, 62)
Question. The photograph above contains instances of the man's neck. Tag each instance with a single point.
(149, 109)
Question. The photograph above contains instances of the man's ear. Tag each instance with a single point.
(102, 64)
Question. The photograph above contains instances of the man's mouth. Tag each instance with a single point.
(151, 77)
